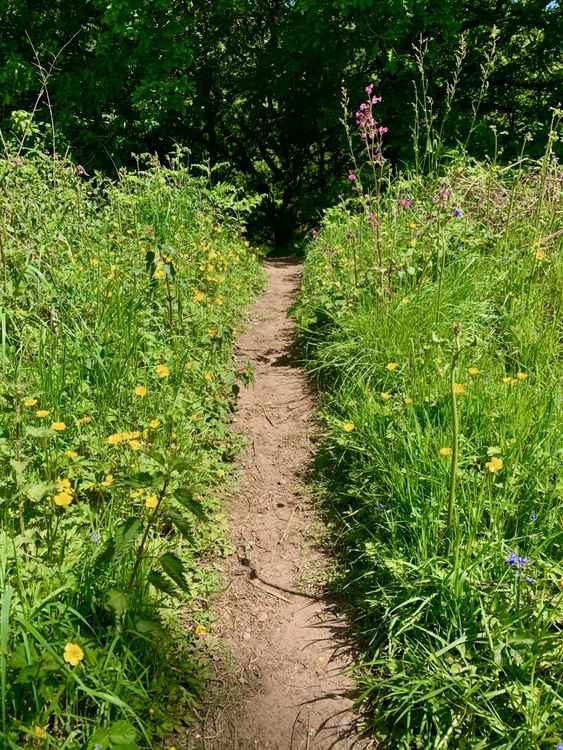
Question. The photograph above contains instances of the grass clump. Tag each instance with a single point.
(119, 302)
(433, 329)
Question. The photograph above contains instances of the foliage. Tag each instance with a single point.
(119, 304)
(433, 327)
(257, 82)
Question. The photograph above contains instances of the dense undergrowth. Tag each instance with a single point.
(434, 331)
(118, 304)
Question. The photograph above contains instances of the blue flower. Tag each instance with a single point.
(559, 746)
(531, 580)
(533, 516)
(457, 212)
(381, 506)
(515, 560)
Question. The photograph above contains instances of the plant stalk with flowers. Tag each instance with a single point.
(371, 133)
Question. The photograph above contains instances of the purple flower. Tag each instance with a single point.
(530, 580)
(515, 560)
(457, 212)
(404, 202)
(533, 516)
(369, 89)
(444, 194)
(559, 746)
(351, 176)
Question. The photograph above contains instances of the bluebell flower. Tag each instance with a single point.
(530, 580)
(457, 212)
(559, 746)
(533, 516)
(515, 560)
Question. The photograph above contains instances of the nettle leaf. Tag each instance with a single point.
(160, 582)
(180, 522)
(128, 531)
(174, 567)
(186, 498)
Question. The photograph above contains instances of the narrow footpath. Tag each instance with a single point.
(284, 688)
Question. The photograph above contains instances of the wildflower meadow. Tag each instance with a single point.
(431, 316)
(119, 305)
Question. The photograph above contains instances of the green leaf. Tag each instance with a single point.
(180, 522)
(162, 583)
(174, 567)
(36, 491)
(118, 601)
(122, 732)
(185, 498)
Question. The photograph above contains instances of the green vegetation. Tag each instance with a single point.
(118, 305)
(431, 313)
(257, 82)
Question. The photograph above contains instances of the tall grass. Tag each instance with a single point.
(441, 461)
(118, 305)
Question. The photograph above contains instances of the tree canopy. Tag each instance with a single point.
(257, 83)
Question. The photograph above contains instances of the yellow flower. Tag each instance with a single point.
(162, 371)
(385, 396)
(539, 255)
(473, 371)
(62, 499)
(108, 480)
(64, 485)
(71, 454)
(507, 380)
(407, 401)
(39, 732)
(151, 502)
(521, 376)
(42, 413)
(115, 439)
(73, 654)
(159, 274)
(58, 426)
(85, 419)
(194, 417)
(30, 402)
(445, 451)
(199, 296)
(155, 423)
(212, 332)
(412, 225)
(405, 301)
(458, 389)
(348, 427)
(494, 465)
(200, 630)
(135, 445)
(208, 376)
(219, 300)
(391, 366)
(94, 262)
(140, 390)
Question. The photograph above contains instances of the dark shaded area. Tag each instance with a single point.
(257, 84)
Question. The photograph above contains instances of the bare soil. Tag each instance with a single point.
(285, 686)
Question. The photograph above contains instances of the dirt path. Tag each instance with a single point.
(285, 689)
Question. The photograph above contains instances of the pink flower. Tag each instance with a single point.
(351, 176)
